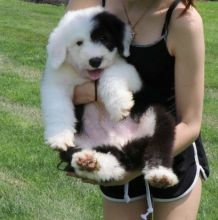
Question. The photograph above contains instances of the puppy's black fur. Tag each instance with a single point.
(109, 31)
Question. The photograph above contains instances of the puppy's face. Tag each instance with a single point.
(94, 42)
(92, 53)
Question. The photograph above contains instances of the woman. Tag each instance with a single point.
(172, 64)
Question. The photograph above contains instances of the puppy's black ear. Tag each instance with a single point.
(120, 32)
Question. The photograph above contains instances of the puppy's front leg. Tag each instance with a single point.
(58, 114)
(116, 88)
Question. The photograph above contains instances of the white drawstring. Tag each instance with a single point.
(149, 202)
(148, 197)
(126, 193)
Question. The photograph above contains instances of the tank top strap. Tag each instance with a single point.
(168, 16)
(103, 3)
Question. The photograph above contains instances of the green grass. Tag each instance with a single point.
(30, 186)
(209, 12)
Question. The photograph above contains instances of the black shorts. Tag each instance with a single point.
(188, 166)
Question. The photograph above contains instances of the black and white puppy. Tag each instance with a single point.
(113, 137)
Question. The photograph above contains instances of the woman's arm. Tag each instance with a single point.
(186, 43)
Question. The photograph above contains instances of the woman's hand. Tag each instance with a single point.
(128, 177)
(84, 93)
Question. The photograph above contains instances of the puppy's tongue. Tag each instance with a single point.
(95, 74)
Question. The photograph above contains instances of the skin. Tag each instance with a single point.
(185, 41)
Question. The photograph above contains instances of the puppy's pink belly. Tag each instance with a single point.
(99, 130)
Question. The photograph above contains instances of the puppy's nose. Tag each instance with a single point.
(95, 62)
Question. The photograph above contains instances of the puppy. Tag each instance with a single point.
(103, 141)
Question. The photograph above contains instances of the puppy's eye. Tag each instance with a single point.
(79, 43)
(102, 38)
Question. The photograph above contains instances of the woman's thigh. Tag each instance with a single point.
(124, 211)
(182, 209)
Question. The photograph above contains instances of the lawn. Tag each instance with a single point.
(30, 186)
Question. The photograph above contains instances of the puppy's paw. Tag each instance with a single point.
(120, 106)
(160, 177)
(86, 161)
(61, 141)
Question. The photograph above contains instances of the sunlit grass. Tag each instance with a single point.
(30, 185)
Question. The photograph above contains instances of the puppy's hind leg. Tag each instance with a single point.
(160, 176)
(85, 160)
(158, 153)
(98, 166)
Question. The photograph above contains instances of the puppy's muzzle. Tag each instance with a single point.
(95, 62)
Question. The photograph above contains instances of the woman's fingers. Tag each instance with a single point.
(89, 181)
(71, 174)
(128, 177)
(85, 180)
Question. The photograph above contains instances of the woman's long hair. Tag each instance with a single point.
(187, 4)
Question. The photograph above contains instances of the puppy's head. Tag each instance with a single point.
(89, 39)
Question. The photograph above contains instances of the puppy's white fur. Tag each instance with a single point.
(67, 66)
(116, 87)
(158, 174)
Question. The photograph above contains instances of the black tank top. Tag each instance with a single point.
(156, 67)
